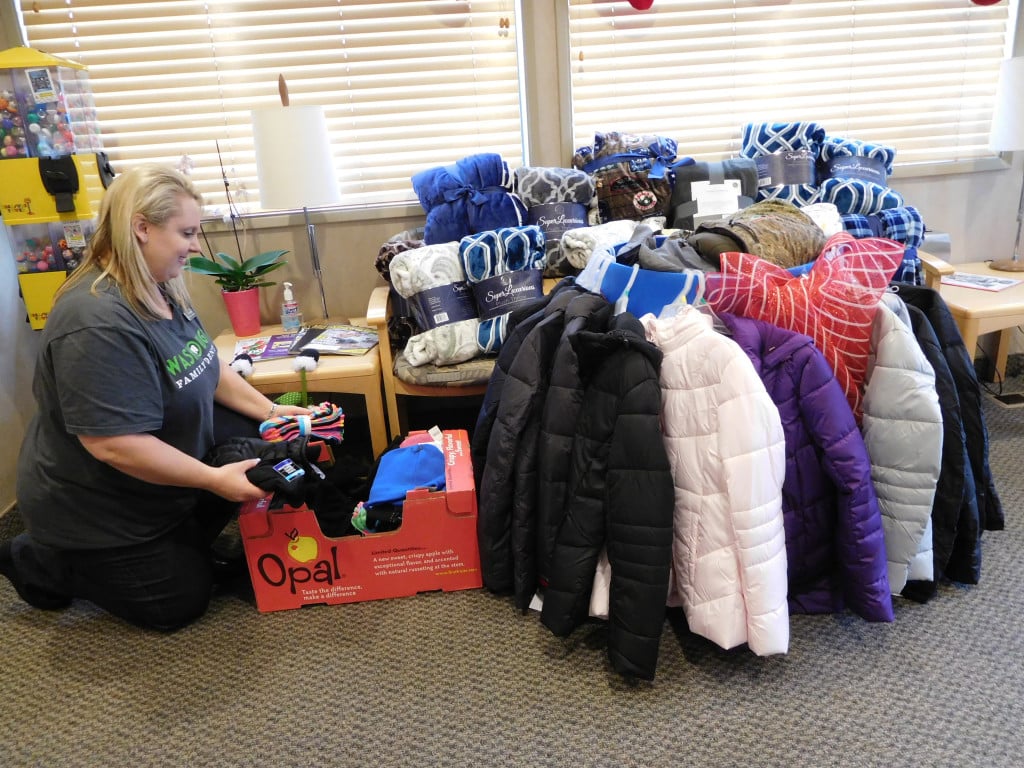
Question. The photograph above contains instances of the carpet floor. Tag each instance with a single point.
(463, 679)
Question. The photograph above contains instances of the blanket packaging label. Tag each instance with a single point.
(715, 200)
(782, 168)
(555, 218)
(443, 305)
(292, 564)
(501, 294)
(862, 168)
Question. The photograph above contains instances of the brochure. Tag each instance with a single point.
(266, 347)
(336, 339)
(982, 282)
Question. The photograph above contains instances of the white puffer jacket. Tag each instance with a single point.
(726, 447)
(902, 429)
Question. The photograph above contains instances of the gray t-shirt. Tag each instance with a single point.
(102, 370)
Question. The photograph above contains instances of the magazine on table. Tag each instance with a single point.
(335, 339)
(982, 282)
(266, 347)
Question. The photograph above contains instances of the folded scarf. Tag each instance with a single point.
(473, 195)
(498, 252)
(556, 199)
(834, 302)
(326, 422)
(436, 267)
(763, 139)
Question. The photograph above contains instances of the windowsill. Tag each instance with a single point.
(923, 170)
(326, 215)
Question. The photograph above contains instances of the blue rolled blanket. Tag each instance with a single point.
(904, 225)
(487, 255)
(761, 141)
(473, 195)
(858, 196)
(854, 176)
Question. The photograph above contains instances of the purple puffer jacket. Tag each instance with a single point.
(834, 537)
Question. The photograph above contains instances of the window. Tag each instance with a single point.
(917, 75)
(405, 85)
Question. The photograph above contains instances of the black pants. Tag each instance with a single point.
(162, 584)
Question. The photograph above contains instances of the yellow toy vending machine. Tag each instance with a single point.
(52, 170)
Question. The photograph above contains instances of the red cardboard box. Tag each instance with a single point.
(293, 564)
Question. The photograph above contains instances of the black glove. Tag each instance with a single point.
(286, 468)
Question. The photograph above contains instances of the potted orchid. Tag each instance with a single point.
(240, 282)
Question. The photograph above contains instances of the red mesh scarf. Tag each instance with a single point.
(834, 302)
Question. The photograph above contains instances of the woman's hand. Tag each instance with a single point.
(292, 410)
(231, 483)
(147, 458)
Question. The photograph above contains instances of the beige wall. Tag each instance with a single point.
(347, 248)
(978, 210)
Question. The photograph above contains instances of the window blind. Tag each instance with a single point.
(405, 85)
(917, 75)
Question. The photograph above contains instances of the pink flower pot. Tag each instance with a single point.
(244, 310)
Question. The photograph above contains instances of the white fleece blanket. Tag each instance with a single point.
(434, 266)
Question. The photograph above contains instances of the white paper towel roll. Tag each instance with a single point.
(293, 158)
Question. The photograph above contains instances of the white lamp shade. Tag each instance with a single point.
(293, 158)
(1008, 115)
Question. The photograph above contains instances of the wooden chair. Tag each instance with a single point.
(934, 269)
(462, 380)
(468, 379)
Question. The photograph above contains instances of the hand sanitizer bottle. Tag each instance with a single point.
(291, 317)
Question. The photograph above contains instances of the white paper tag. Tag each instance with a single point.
(715, 200)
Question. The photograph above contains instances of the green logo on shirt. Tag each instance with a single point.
(190, 354)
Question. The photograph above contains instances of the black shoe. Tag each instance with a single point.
(34, 596)
(227, 569)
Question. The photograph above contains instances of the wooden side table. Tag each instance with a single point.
(350, 374)
(978, 312)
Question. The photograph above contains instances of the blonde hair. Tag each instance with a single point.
(155, 193)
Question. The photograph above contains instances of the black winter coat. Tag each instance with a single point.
(520, 323)
(961, 363)
(956, 546)
(587, 312)
(506, 521)
(620, 497)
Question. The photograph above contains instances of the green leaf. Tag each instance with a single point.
(232, 264)
(262, 260)
(234, 276)
(204, 266)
